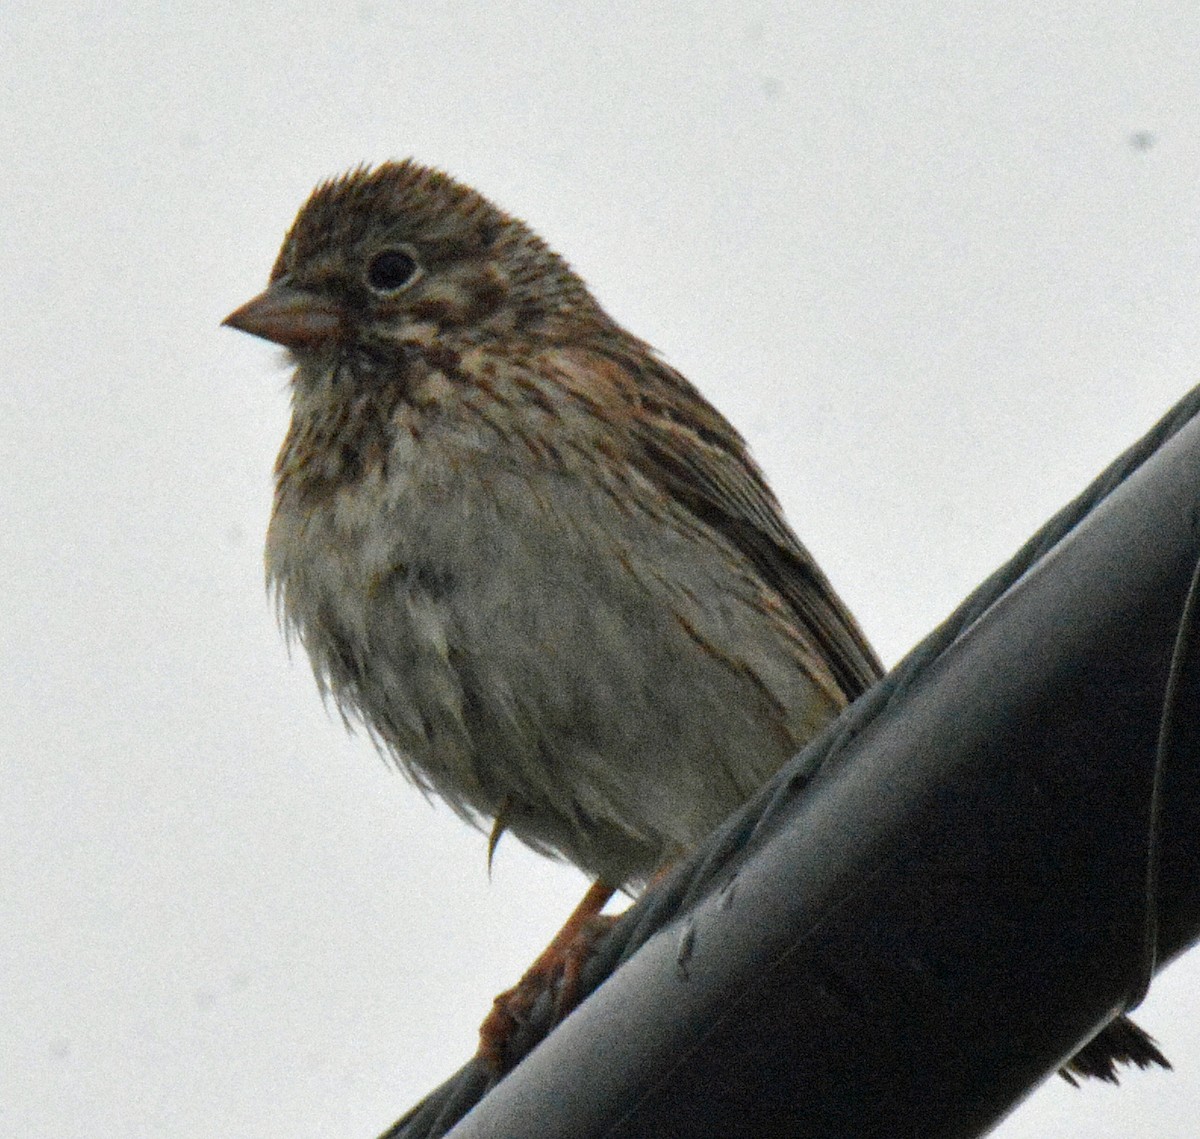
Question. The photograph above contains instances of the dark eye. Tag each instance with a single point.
(391, 270)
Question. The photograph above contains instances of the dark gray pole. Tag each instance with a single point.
(940, 900)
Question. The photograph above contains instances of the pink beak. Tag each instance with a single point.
(288, 316)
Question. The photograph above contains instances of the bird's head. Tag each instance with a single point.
(402, 255)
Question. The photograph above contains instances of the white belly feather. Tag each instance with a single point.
(614, 676)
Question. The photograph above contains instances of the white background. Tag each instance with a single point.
(939, 262)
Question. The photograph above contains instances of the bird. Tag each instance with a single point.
(530, 557)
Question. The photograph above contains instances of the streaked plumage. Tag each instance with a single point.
(524, 551)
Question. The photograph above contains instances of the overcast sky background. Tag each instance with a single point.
(938, 262)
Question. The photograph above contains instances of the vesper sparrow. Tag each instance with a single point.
(529, 555)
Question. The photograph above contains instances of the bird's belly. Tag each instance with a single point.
(609, 681)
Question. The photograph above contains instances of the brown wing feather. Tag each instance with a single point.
(686, 446)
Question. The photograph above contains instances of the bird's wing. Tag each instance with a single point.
(687, 447)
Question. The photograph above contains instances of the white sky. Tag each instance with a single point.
(910, 249)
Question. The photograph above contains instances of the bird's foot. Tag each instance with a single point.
(556, 972)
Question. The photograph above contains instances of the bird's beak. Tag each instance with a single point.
(288, 316)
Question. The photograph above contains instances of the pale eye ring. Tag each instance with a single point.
(391, 270)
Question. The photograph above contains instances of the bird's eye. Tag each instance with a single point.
(391, 270)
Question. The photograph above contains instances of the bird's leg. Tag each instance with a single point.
(556, 970)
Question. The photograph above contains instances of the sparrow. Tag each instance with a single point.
(529, 556)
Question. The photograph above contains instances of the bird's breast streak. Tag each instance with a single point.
(473, 599)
